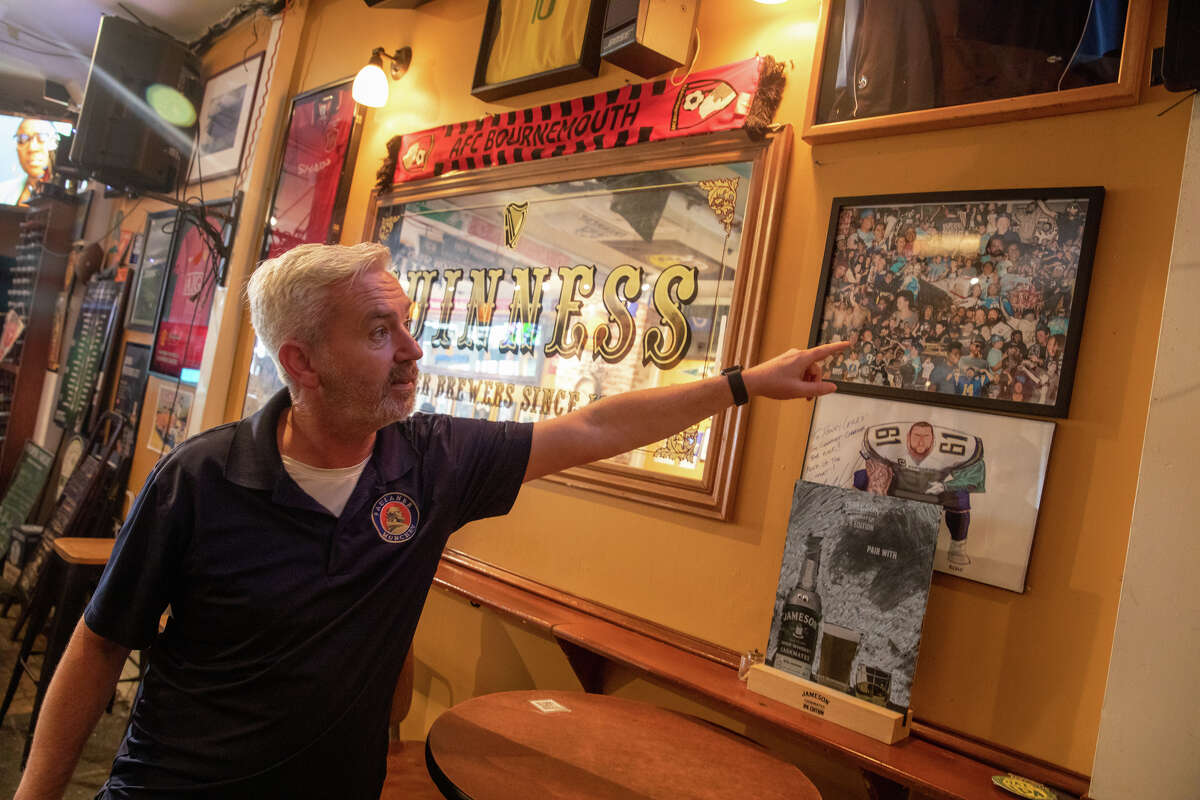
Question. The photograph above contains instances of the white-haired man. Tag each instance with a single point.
(296, 547)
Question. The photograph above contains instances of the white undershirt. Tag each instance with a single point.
(329, 487)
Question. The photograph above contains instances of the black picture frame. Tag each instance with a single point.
(281, 207)
(211, 163)
(855, 296)
(587, 65)
(149, 278)
(131, 381)
(223, 215)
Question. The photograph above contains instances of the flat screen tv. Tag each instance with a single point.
(28, 152)
(137, 124)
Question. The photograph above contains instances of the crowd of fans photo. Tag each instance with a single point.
(959, 298)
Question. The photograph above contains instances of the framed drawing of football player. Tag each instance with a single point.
(985, 471)
(970, 299)
(310, 195)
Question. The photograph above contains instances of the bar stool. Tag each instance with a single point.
(70, 575)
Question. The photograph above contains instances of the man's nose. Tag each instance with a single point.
(408, 350)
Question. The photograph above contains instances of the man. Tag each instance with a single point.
(943, 374)
(35, 139)
(933, 465)
(295, 548)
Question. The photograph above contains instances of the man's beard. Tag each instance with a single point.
(368, 404)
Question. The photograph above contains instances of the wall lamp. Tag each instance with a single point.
(371, 84)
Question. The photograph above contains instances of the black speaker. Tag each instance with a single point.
(137, 124)
(648, 37)
(1181, 53)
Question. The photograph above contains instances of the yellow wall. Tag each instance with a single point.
(1025, 671)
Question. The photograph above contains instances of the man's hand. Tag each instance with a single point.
(796, 373)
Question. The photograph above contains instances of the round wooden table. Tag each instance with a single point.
(537, 745)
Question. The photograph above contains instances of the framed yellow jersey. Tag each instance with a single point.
(535, 44)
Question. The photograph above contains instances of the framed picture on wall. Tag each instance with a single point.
(528, 46)
(908, 67)
(131, 388)
(151, 270)
(540, 287)
(225, 115)
(971, 299)
(314, 183)
(191, 280)
(172, 409)
(985, 471)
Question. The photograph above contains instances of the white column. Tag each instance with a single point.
(1149, 739)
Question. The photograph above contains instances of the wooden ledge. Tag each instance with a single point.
(931, 761)
(83, 550)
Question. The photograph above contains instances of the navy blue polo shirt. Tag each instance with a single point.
(288, 626)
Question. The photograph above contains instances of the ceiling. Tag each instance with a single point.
(52, 39)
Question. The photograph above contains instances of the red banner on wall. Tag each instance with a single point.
(718, 99)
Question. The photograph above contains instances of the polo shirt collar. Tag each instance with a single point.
(254, 460)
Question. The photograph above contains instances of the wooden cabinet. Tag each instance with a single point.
(31, 288)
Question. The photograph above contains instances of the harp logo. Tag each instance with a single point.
(417, 154)
(395, 517)
(699, 100)
(514, 222)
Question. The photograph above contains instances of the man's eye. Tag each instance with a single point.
(379, 333)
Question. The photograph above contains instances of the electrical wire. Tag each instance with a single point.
(691, 66)
(1079, 44)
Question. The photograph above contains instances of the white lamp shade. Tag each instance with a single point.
(370, 87)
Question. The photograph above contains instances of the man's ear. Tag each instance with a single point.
(296, 360)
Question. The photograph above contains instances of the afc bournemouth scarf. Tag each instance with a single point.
(742, 95)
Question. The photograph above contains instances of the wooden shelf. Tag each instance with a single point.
(934, 762)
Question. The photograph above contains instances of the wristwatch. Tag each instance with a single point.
(736, 385)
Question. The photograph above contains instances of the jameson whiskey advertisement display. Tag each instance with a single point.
(852, 591)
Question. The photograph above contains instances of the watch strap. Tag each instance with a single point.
(736, 385)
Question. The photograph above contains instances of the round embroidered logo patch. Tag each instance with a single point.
(395, 517)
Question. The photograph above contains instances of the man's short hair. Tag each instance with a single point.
(289, 294)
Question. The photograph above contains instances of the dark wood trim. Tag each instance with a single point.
(1002, 757)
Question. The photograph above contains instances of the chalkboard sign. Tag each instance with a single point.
(96, 317)
(29, 478)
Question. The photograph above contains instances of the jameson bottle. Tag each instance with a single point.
(801, 618)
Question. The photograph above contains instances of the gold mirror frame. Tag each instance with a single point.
(1125, 91)
(713, 495)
